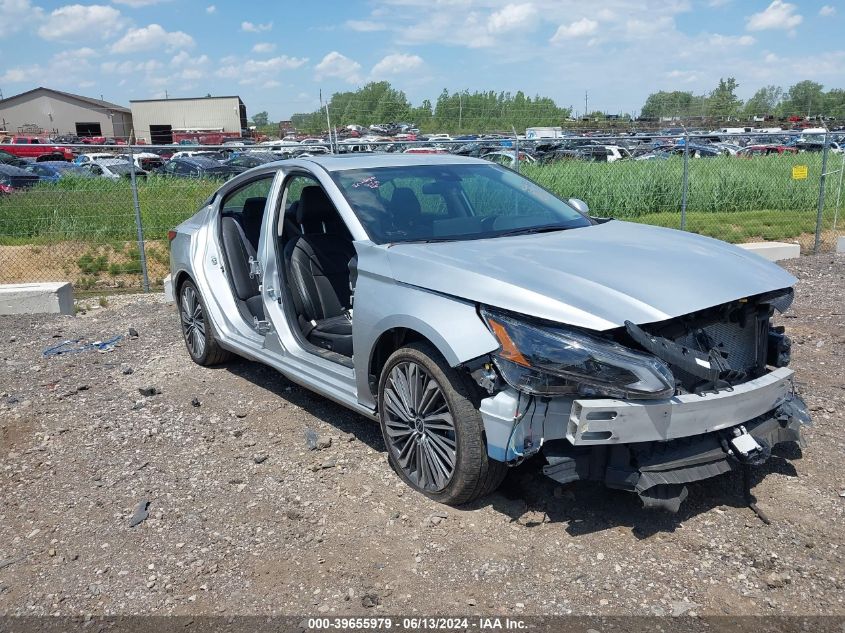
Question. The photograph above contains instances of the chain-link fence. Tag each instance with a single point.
(102, 224)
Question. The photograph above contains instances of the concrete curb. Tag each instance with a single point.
(36, 298)
(773, 251)
(168, 289)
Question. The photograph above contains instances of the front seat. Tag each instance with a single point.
(318, 269)
(407, 215)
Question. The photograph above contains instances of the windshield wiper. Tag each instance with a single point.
(425, 240)
(528, 230)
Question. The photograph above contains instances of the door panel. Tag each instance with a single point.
(330, 378)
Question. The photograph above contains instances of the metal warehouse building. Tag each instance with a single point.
(46, 111)
(202, 119)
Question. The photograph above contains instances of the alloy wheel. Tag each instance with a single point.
(193, 322)
(419, 427)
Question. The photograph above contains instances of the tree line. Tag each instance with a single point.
(804, 99)
(465, 111)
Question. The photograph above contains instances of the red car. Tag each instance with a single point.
(766, 150)
(34, 147)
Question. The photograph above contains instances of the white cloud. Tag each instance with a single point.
(685, 76)
(16, 75)
(251, 27)
(272, 84)
(184, 58)
(254, 70)
(647, 29)
(16, 14)
(264, 47)
(138, 3)
(778, 15)
(365, 26)
(512, 17)
(76, 21)
(128, 67)
(211, 9)
(64, 70)
(336, 65)
(726, 41)
(827, 10)
(152, 37)
(396, 64)
(579, 28)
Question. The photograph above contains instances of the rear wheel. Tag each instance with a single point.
(197, 330)
(432, 429)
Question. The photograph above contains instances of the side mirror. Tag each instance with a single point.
(579, 205)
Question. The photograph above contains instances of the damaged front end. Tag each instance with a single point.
(645, 408)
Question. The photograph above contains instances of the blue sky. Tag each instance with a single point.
(278, 55)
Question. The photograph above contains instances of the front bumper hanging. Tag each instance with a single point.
(659, 471)
(651, 448)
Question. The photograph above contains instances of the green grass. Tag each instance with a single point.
(740, 226)
(631, 189)
(730, 198)
(98, 210)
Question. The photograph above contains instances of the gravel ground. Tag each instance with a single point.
(244, 519)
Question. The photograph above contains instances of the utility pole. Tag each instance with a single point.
(460, 111)
(586, 110)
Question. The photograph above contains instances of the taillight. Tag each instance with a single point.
(170, 235)
(6, 189)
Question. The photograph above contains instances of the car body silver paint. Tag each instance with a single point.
(595, 277)
(381, 304)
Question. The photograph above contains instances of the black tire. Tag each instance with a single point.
(473, 474)
(197, 331)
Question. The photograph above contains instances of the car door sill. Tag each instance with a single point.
(347, 397)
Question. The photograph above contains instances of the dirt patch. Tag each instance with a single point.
(89, 267)
(244, 519)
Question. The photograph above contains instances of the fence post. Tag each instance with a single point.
(685, 184)
(138, 223)
(820, 211)
(838, 195)
(516, 150)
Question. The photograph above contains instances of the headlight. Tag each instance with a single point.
(552, 361)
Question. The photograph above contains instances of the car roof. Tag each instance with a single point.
(200, 161)
(343, 162)
(58, 164)
(11, 170)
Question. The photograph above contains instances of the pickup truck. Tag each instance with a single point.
(34, 147)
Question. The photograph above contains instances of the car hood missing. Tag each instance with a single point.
(595, 277)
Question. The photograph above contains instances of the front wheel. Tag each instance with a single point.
(432, 429)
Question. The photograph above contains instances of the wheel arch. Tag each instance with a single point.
(388, 342)
(178, 281)
(409, 329)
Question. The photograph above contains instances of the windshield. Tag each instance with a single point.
(451, 202)
(119, 168)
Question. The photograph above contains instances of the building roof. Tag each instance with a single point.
(97, 103)
(184, 99)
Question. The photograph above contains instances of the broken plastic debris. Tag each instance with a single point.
(73, 346)
(140, 515)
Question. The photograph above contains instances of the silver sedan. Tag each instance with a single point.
(482, 321)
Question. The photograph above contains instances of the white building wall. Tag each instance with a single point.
(58, 115)
(212, 113)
